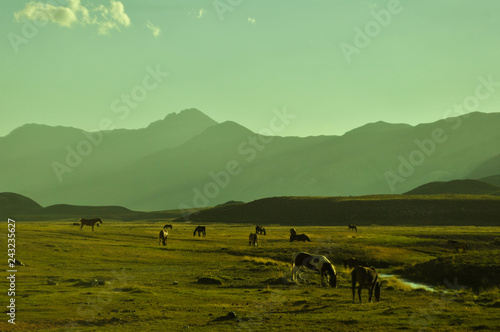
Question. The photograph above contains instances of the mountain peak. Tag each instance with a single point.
(191, 116)
(378, 127)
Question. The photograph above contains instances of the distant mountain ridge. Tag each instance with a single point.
(188, 159)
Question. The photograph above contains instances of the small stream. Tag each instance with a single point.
(414, 285)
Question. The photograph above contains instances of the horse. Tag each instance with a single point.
(167, 226)
(315, 263)
(200, 230)
(458, 245)
(260, 230)
(353, 262)
(89, 222)
(163, 237)
(352, 227)
(299, 237)
(293, 231)
(253, 238)
(365, 277)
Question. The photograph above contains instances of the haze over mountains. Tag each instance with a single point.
(188, 159)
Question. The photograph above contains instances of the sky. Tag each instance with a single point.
(331, 65)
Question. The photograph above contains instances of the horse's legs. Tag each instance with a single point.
(359, 293)
(370, 292)
(81, 226)
(295, 269)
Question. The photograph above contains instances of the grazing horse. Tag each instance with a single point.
(353, 262)
(253, 238)
(167, 226)
(299, 237)
(90, 222)
(458, 245)
(315, 263)
(365, 277)
(163, 237)
(293, 231)
(260, 230)
(200, 230)
(352, 227)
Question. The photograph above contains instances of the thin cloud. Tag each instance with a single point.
(202, 13)
(154, 29)
(112, 17)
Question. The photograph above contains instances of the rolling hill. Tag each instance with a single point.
(361, 210)
(21, 208)
(188, 159)
(466, 187)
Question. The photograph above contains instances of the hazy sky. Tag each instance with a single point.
(336, 65)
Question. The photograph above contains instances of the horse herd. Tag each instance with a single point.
(362, 274)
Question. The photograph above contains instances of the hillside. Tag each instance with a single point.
(189, 160)
(364, 210)
(21, 208)
(465, 187)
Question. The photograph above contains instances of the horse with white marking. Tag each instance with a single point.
(316, 263)
(90, 222)
(253, 239)
(163, 237)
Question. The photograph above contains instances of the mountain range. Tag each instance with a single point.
(188, 159)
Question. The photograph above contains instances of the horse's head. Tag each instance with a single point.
(99, 220)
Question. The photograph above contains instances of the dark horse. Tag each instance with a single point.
(163, 237)
(167, 226)
(260, 230)
(299, 237)
(253, 238)
(200, 230)
(90, 222)
(315, 263)
(293, 231)
(458, 245)
(352, 227)
(365, 277)
(353, 262)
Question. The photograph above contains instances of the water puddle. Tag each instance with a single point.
(413, 285)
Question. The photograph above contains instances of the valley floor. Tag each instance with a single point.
(119, 278)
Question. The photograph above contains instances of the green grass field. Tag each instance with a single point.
(119, 279)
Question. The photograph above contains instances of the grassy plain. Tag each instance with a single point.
(119, 279)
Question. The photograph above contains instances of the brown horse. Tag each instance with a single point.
(253, 238)
(167, 226)
(163, 237)
(299, 237)
(90, 222)
(260, 230)
(352, 227)
(293, 231)
(353, 262)
(200, 230)
(458, 245)
(365, 277)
